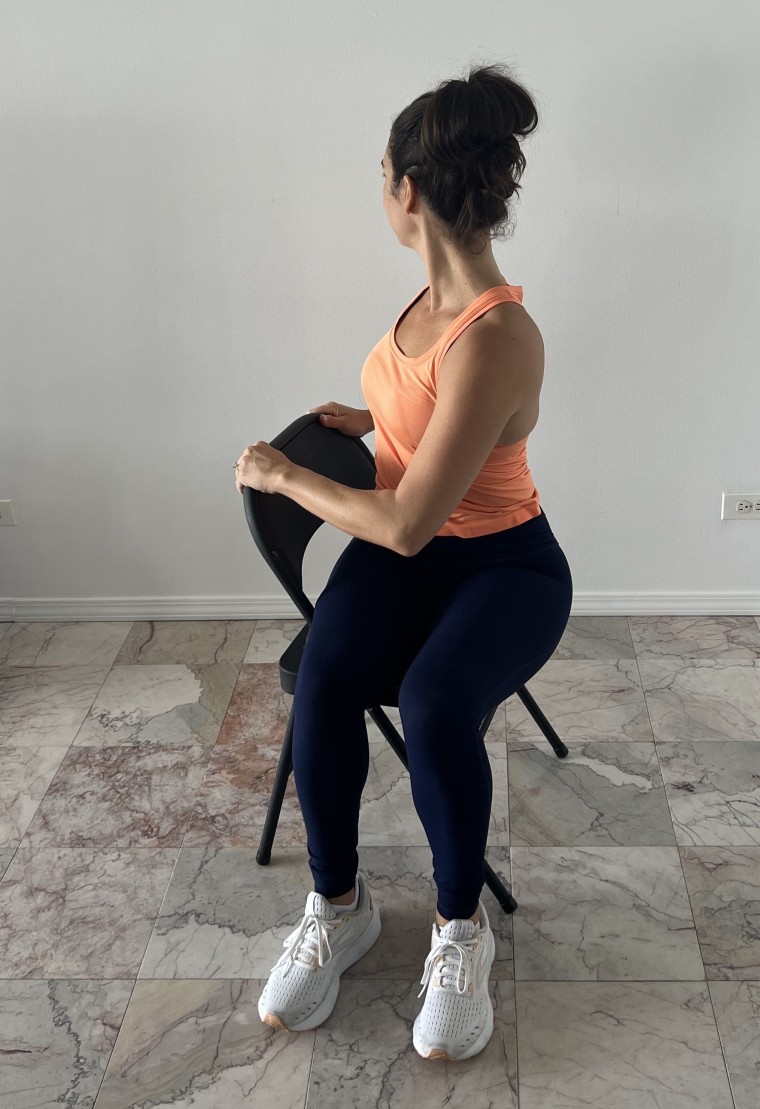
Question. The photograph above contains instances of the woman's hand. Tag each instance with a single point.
(261, 467)
(349, 421)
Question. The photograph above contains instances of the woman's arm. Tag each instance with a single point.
(369, 514)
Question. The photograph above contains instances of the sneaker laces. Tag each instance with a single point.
(450, 969)
(308, 940)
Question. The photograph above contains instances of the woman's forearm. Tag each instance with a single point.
(370, 514)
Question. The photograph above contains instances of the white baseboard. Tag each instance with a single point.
(280, 607)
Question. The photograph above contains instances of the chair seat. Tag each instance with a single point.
(290, 662)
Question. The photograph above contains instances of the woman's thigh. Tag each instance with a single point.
(492, 629)
(369, 622)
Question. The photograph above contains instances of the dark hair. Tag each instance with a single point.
(459, 142)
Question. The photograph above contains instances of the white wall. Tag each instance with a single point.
(194, 251)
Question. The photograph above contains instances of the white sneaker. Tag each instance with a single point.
(456, 1020)
(304, 982)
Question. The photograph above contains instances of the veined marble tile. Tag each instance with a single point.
(234, 797)
(171, 705)
(619, 1045)
(590, 700)
(56, 1038)
(714, 791)
(364, 1056)
(595, 637)
(271, 638)
(696, 698)
(737, 1011)
(25, 774)
(232, 803)
(202, 1043)
(710, 637)
(45, 705)
(5, 626)
(91, 643)
(601, 793)
(114, 797)
(258, 709)
(724, 888)
(6, 854)
(224, 916)
(195, 643)
(387, 815)
(602, 913)
(78, 912)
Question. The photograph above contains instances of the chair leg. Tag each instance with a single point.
(388, 729)
(499, 890)
(559, 748)
(283, 772)
(285, 769)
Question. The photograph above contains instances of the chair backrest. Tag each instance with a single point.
(281, 528)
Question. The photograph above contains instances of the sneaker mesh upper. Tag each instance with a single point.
(450, 1016)
(301, 977)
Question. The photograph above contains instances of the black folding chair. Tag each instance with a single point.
(281, 529)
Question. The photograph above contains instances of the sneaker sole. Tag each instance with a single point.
(343, 961)
(476, 1047)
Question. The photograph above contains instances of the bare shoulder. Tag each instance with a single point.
(510, 332)
(510, 320)
(508, 328)
(505, 345)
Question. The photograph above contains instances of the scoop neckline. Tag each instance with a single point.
(421, 357)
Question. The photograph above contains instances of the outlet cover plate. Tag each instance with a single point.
(740, 506)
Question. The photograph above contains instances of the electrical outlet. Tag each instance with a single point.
(6, 513)
(740, 506)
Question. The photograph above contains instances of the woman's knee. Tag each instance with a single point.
(426, 706)
(324, 679)
(340, 676)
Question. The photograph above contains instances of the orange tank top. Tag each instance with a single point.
(400, 393)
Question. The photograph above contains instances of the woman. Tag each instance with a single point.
(453, 584)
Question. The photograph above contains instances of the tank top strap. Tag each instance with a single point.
(501, 294)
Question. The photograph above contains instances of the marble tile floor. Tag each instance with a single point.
(137, 929)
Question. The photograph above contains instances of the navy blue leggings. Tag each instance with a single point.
(461, 625)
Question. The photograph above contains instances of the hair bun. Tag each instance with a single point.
(449, 136)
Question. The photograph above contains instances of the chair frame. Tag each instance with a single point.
(282, 529)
